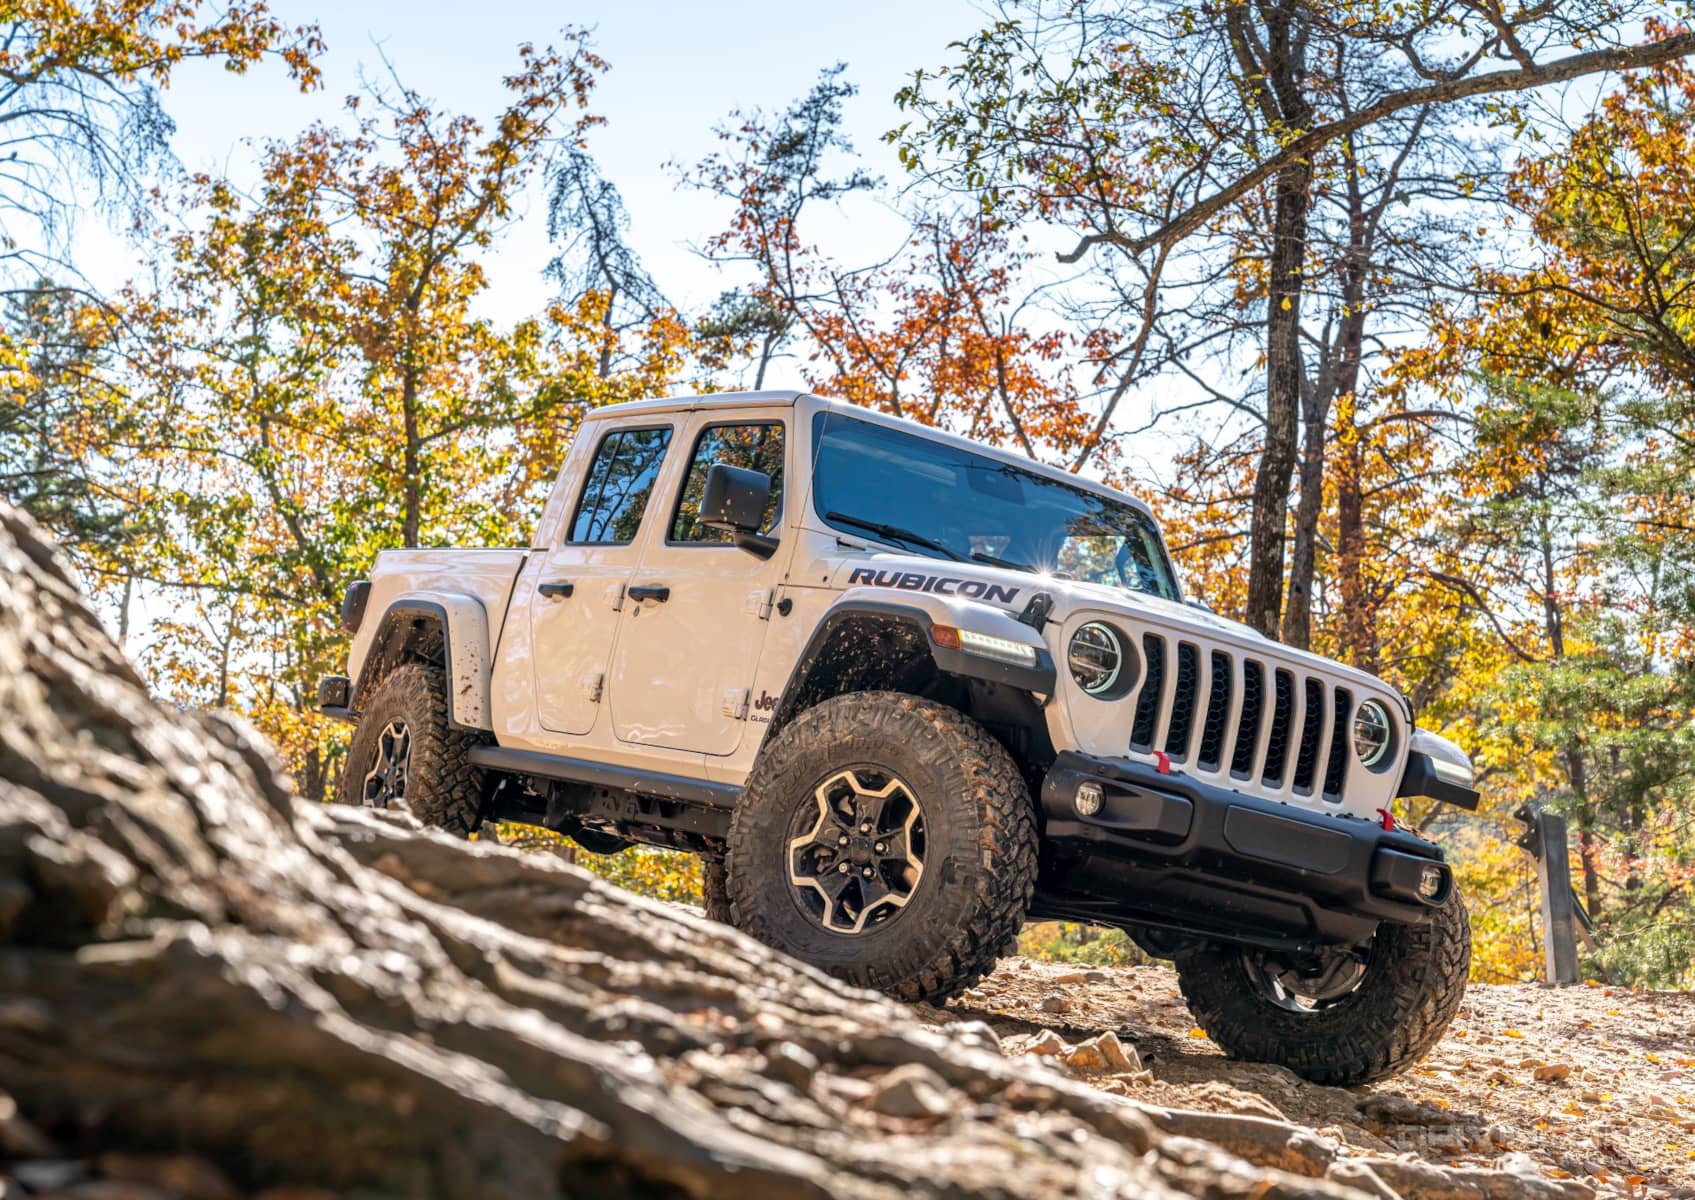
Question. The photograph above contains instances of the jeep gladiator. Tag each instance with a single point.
(903, 692)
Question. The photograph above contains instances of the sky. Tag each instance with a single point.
(677, 70)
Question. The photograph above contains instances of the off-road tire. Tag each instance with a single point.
(981, 849)
(443, 788)
(1414, 981)
(714, 888)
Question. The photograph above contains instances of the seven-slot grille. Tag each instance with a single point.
(1241, 719)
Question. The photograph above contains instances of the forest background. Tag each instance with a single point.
(1386, 309)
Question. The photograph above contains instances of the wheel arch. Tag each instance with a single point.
(444, 629)
(864, 645)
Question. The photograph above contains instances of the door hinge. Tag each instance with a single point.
(615, 596)
(592, 685)
(759, 603)
(735, 703)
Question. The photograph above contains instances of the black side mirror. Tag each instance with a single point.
(734, 499)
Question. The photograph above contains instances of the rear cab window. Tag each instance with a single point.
(619, 484)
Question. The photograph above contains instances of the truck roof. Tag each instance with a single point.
(783, 398)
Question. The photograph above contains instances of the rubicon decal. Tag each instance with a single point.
(940, 585)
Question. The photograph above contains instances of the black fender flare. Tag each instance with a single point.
(1040, 679)
(380, 654)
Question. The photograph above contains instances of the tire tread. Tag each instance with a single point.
(1384, 1028)
(1007, 854)
(444, 787)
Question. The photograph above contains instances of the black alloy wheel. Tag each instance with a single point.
(856, 849)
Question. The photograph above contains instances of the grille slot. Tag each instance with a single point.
(1218, 709)
(1336, 770)
(1306, 758)
(1183, 702)
(1273, 727)
(1247, 727)
(1153, 686)
(1282, 717)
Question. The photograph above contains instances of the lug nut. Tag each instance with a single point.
(844, 868)
(879, 847)
(843, 840)
(865, 828)
(866, 872)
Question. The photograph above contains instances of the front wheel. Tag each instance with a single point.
(1344, 1016)
(888, 840)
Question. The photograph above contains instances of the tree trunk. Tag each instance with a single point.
(1586, 848)
(1303, 556)
(1359, 623)
(1284, 373)
(1338, 375)
(412, 482)
(195, 962)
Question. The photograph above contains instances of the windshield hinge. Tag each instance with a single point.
(759, 603)
(1035, 613)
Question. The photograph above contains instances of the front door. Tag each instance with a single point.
(575, 590)
(699, 607)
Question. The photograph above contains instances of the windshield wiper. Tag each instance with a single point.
(996, 561)
(892, 531)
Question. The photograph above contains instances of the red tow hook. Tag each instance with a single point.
(1162, 762)
(1388, 819)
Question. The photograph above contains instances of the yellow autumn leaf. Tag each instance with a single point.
(1197, 1032)
(1512, 1033)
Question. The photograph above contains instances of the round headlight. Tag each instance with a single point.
(1096, 658)
(1373, 734)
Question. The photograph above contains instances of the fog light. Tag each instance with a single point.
(1430, 882)
(1089, 798)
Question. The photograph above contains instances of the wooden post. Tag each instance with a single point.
(1545, 839)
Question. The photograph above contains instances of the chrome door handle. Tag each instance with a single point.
(557, 590)
(657, 592)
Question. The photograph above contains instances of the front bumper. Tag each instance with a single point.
(1174, 852)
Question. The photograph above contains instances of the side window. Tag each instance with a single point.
(756, 447)
(619, 484)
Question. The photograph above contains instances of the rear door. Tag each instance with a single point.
(700, 606)
(575, 592)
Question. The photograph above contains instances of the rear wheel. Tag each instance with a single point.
(1344, 1016)
(405, 756)
(888, 840)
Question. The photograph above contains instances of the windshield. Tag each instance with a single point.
(872, 481)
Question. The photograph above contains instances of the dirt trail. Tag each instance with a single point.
(1596, 1084)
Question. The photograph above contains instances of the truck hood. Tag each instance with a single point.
(1011, 591)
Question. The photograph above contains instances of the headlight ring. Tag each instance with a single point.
(1100, 661)
(1374, 735)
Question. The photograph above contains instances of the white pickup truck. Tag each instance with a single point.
(904, 692)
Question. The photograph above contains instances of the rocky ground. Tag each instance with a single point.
(1563, 1089)
(1591, 1084)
